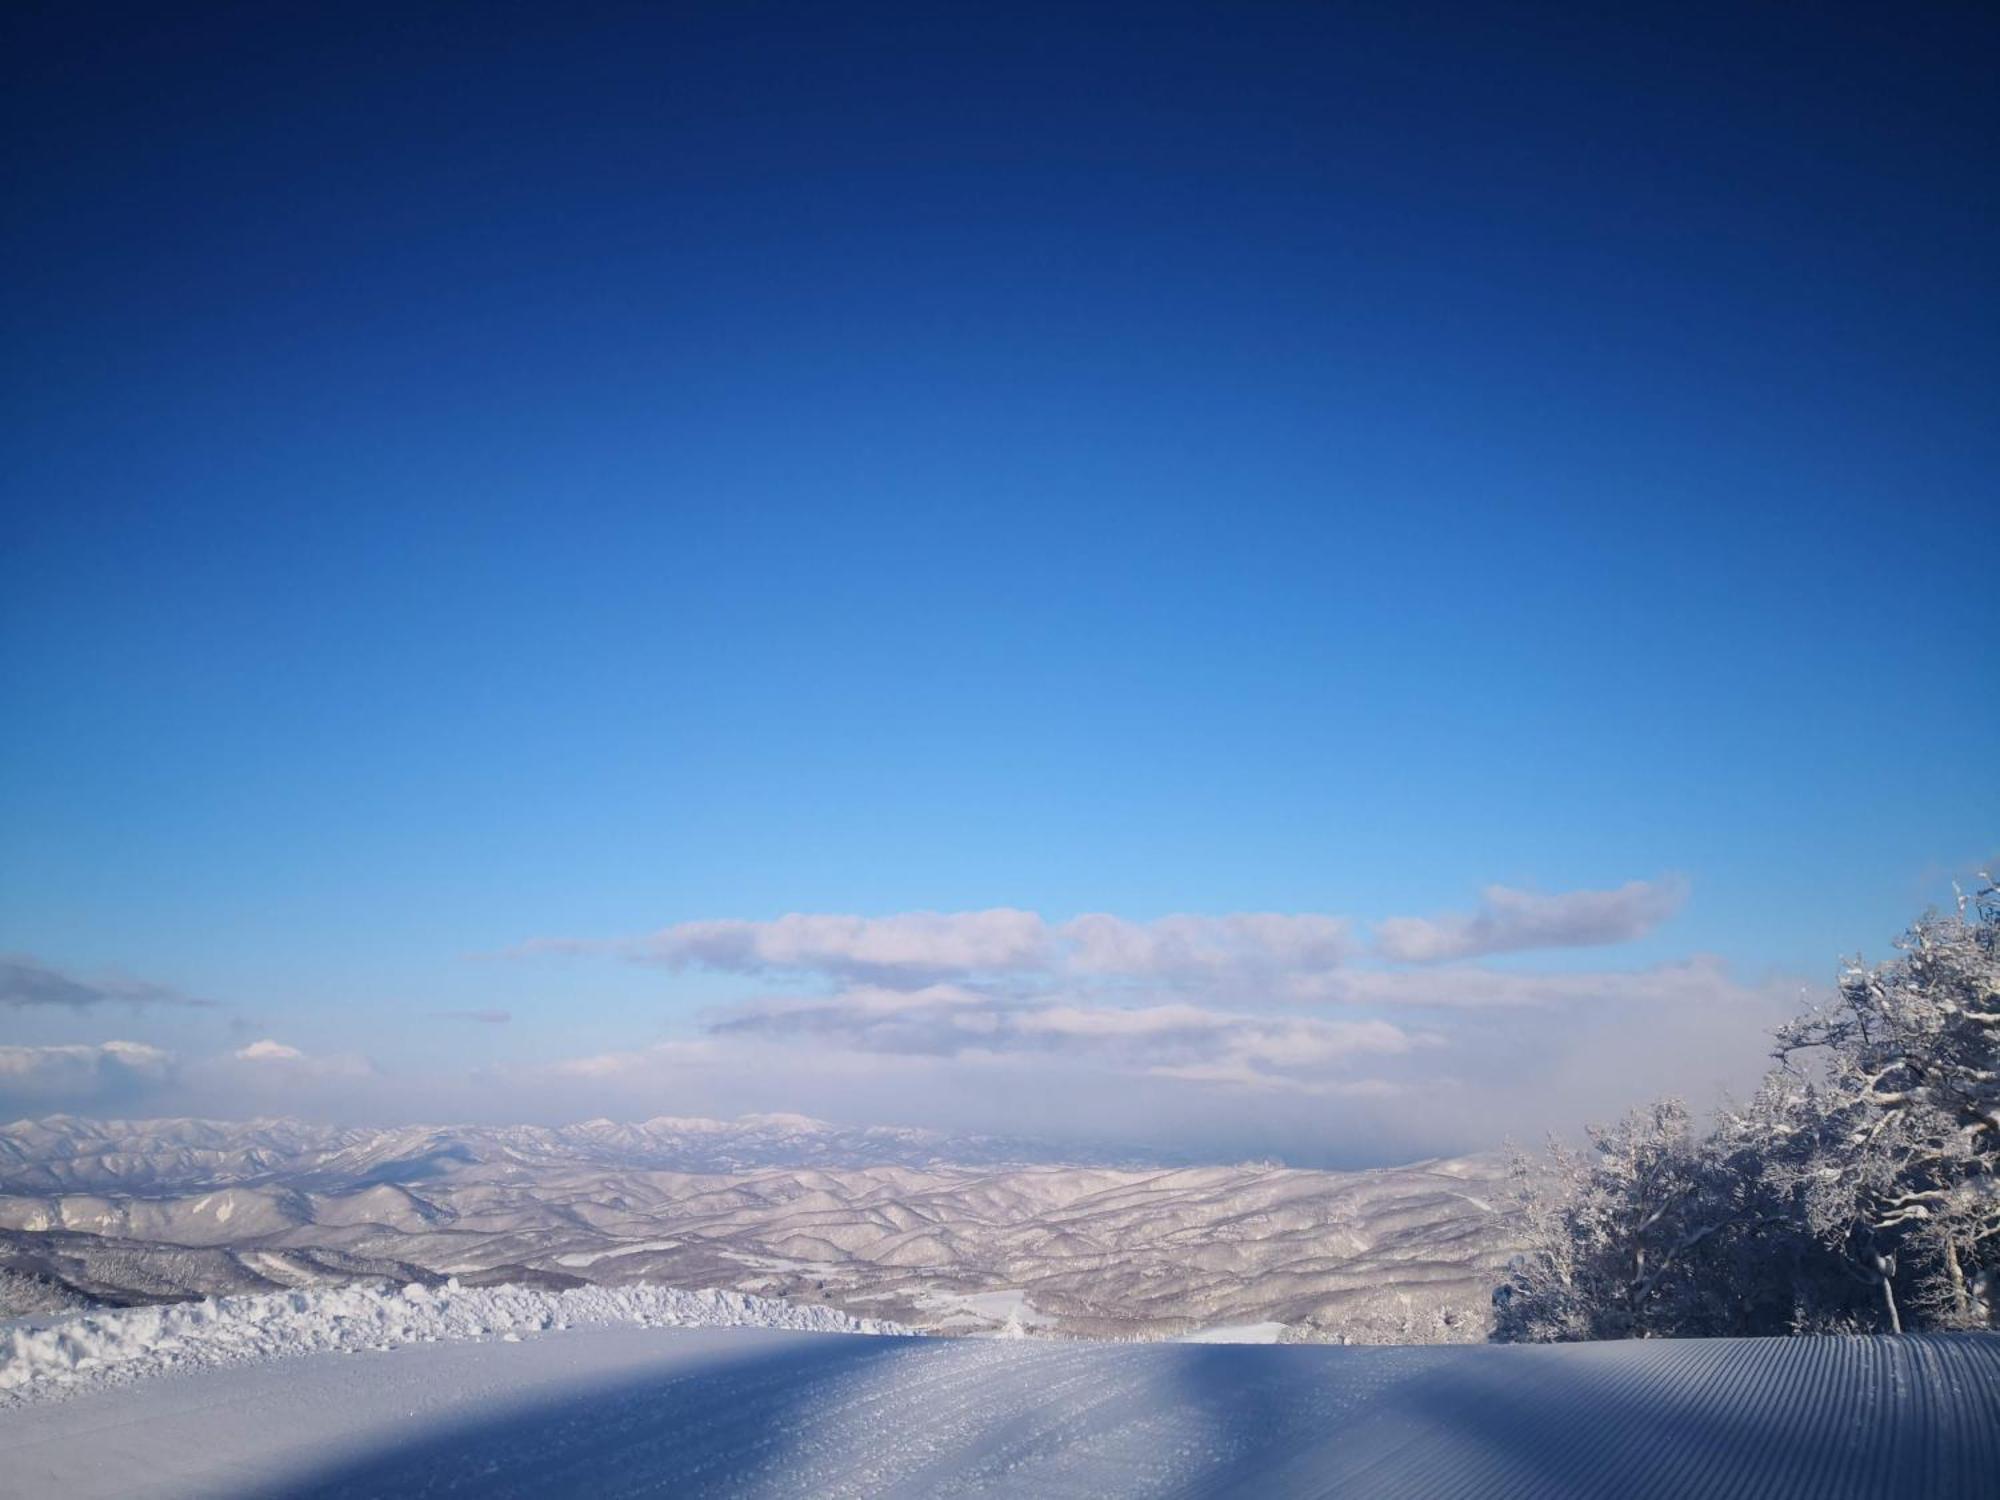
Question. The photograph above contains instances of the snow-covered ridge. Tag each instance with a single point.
(43, 1357)
(96, 1212)
(66, 1153)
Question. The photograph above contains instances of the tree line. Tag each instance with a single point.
(1857, 1191)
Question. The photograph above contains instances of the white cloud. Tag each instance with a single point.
(1510, 920)
(952, 1021)
(1088, 1021)
(924, 947)
(1182, 947)
(1232, 958)
(901, 947)
(268, 1051)
(659, 1056)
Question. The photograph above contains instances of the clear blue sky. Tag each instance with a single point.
(492, 472)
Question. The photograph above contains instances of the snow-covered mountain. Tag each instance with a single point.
(66, 1153)
(938, 1232)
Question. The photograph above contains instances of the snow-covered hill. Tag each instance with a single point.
(875, 1222)
(749, 1411)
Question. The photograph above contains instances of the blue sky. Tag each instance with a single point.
(491, 475)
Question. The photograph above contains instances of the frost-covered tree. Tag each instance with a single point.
(1617, 1233)
(1545, 1298)
(1859, 1188)
(1785, 1273)
(1895, 1117)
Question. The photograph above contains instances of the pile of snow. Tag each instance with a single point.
(51, 1355)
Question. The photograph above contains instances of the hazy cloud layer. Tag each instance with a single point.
(1241, 1032)
(1258, 1007)
(1167, 1039)
(266, 1076)
(269, 1058)
(1553, 1053)
(1471, 987)
(1509, 921)
(87, 1073)
(1174, 1018)
(26, 981)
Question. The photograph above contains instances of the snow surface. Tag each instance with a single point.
(1238, 1333)
(617, 1411)
(1007, 1312)
(42, 1357)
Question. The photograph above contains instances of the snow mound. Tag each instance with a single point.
(41, 1357)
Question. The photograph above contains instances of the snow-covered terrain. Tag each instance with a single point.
(43, 1357)
(616, 1411)
(879, 1223)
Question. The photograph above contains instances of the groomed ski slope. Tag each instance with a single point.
(671, 1411)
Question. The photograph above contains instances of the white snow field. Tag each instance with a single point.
(606, 1411)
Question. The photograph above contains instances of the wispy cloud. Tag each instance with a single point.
(908, 947)
(1166, 1039)
(269, 1055)
(1241, 945)
(915, 949)
(1455, 987)
(26, 981)
(1242, 954)
(1510, 920)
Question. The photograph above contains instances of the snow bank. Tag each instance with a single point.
(52, 1355)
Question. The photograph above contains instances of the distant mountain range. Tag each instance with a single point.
(67, 1153)
(952, 1233)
